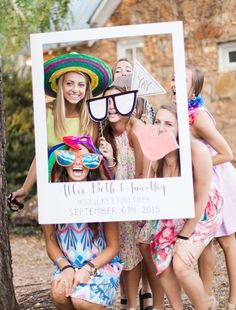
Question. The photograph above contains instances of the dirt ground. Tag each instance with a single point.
(32, 270)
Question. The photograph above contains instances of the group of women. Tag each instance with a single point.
(91, 259)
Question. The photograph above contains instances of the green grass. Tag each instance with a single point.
(25, 230)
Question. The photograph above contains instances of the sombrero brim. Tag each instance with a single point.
(98, 71)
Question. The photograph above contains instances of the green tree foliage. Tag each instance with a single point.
(19, 128)
(18, 19)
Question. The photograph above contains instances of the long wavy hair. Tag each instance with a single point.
(59, 110)
(173, 110)
(108, 131)
(197, 79)
(93, 175)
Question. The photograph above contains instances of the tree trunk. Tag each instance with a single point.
(7, 294)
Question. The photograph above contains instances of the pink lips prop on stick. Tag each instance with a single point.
(155, 146)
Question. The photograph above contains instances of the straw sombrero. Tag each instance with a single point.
(98, 71)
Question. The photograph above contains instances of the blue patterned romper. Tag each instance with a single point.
(78, 245)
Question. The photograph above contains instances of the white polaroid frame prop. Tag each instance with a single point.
(118, 200)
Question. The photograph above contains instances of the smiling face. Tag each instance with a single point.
(74, 87)
(166, 121)
(77, 172)
(123, 68)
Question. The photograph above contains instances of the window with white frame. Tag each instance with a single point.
(227, 56)
(130, 48)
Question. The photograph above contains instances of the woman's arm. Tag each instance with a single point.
(107, 151)
(112, 244)
(30, 180)
(66, 278)
(135, 124)
(112, 247)
(202, 175)
(149, 168)
(53, 249)
(204, 128)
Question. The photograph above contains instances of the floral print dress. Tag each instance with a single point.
(166, 231)
(129, 248)
(79, 245)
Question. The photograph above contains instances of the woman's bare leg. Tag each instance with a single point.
(172, 288)
(206, 263)
(131, 281)
(145, 286)
(186, 275)
(157, 290)
(228, 244)
(80, 304)
(123, 298)
(59, 299)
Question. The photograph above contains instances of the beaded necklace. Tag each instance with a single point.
(195, 103)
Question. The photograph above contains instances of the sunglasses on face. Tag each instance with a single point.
(13, 204)
(124, 104)
(68, 158)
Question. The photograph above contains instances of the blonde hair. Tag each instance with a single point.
(86, 124)
(113, 68)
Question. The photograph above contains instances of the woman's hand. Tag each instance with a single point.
(19, 195)
(144, 118)
(183, 250)
(81, 276)
(64, 282)
(188, 252)
(105, 148)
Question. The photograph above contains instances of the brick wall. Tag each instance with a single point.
(206, 24)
